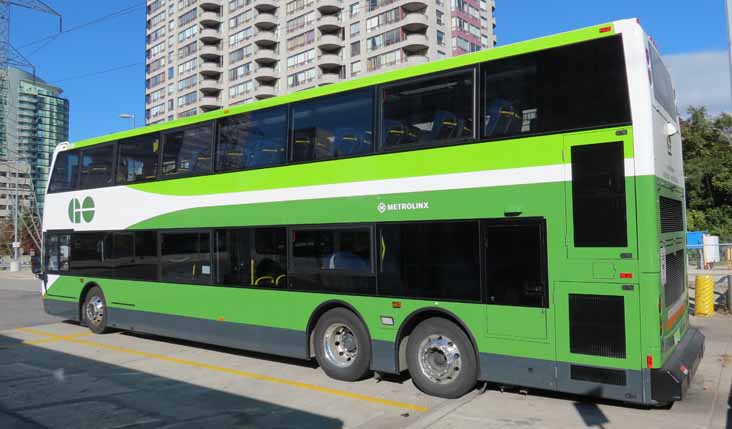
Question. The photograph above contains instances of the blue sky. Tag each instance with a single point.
(693, 39)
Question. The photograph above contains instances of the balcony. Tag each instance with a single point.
(328, 78)
(416, 42)
(265, 56)
(210, 52)
(265, 20)
(329, 42)
(329, 6)
(265, 91)
(210, 102)
(413, 60)
(414, 5)
(211, 4)
(414, 22)
(265, 74)
(330, 61)
(210, 35)
(265, 5)
(209, 85)
(210, 18)
(265, 38)
(209, 68)
(329, 23)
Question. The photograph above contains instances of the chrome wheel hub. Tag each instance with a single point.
(439, 359)
(95, 310)
(341, 347)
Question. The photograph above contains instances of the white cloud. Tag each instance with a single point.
(701, 79)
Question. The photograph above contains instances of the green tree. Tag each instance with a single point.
(707, 143)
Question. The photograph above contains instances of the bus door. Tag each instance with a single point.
(595, 290)
(515, 275)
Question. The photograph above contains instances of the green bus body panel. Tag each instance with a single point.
(533, 333)
(576, 36)
(535, 200)
(254, 306)
(525, 152)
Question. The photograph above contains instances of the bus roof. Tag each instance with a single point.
(537, 44)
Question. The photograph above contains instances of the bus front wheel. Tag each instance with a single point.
(441, 359)
(342, 345)
(94, 310)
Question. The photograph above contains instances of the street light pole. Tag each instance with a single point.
(15, 264)
(128, 116)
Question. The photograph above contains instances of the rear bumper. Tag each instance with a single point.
(670, 383)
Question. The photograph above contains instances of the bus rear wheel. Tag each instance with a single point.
(441, 359)
(342, 345)
(94, 311)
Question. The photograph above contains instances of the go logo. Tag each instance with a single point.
(81, 210)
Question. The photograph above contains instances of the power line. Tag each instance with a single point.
(121, 12)
(81, 76)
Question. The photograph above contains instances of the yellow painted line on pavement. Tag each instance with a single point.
(49, 338)
(246, 374)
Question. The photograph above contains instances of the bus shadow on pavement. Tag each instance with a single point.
(42, 387)
(310, 363)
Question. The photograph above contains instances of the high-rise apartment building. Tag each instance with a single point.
(203, 55)
(35, 119)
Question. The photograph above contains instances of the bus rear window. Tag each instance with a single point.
(663, 89)
(571, 87)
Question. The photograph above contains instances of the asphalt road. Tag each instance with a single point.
(20, 303)
(59, 375)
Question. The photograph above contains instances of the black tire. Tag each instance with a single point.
(90, 311)
(449, 381)
(355, 368)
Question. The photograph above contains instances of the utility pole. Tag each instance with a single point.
(9, 56)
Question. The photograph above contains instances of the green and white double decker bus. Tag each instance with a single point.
(514, 216)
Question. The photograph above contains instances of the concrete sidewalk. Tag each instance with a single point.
(18, 275)
(707, 404)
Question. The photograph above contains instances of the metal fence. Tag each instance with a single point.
(711, 256)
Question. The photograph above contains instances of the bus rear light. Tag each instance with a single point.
(606, 29)
(649, 361)
(626, 275)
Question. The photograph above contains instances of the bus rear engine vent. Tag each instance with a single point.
(598, 375)
(597, 325)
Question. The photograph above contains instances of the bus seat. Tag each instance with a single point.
(393, 132)
(261, 152)
(324, 148)
(263, 279)
(444, 126)
(280, 278)
(349, 141)
(500, 115)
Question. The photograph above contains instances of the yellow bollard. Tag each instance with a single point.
(704, 295)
